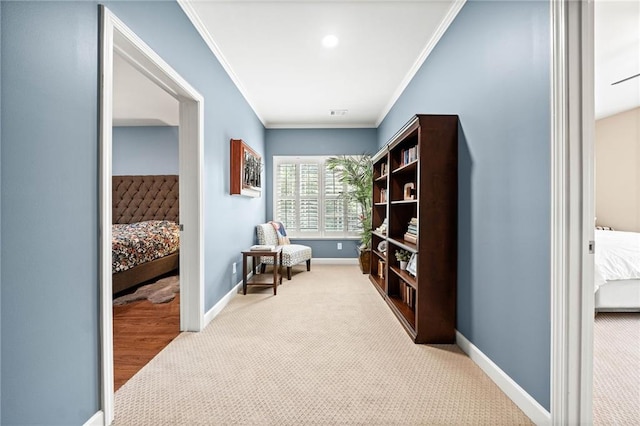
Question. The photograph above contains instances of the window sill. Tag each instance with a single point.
(292, 238)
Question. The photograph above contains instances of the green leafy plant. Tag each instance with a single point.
(356, 171)
(403, 255)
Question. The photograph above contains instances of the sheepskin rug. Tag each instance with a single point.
(161, 291)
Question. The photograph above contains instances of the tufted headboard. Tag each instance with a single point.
(140, 198)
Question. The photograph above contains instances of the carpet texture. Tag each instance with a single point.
(325, 350)
(162, 291)
(616, 369)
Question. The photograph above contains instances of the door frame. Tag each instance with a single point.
(572, 211)
(117, 37)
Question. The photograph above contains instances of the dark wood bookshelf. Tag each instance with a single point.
(423, 182)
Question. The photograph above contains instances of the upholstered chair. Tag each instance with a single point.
(292, 254)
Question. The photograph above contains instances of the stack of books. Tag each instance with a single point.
(412, 231)
(259, 247)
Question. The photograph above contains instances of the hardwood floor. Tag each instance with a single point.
(140, 331)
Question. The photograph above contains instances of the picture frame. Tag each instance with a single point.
(412, 266)
(246, 170)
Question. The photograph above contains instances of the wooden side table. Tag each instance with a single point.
(262, 279)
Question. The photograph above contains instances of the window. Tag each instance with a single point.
(307, 199)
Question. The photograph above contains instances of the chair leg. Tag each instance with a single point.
(289, 272)
(263, 267)
(309, 265)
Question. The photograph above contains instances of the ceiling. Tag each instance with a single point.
(137, 101)
(617, 56)
(273, 52)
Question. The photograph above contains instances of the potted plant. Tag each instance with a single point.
(357, 173)
(403, 257)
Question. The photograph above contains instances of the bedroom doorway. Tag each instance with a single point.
(118, 39)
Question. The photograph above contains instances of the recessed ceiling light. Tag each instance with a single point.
(339, 112)
(330, 41)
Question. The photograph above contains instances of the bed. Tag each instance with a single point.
(145, 230)
(617, 271)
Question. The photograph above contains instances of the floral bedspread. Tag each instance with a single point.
(137, 243)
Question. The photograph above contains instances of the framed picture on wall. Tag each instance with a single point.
(246, 170)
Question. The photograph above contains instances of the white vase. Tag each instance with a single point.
(403, 265)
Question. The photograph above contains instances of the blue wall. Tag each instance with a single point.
(317, 142)
(49, 194)
(492, 69)
(0, 213)
(145, 150)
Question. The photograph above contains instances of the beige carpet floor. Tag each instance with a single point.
(616, 369)
(326, 350)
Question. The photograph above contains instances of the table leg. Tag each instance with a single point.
(280, 268)
(244, 274)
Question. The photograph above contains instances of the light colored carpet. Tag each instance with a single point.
(616, 369)
(325, 350)
(162, 291)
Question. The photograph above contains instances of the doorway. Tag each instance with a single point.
(117, 37)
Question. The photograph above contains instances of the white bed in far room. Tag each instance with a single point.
(617, 271)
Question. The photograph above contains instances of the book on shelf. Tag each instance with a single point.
(261, 247)
(383, 169)
(383, 195)
(408, 155)
(411, 238)
(414, 221)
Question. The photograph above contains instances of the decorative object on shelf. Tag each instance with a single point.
(403, 257)
(357, 173)
(383, 169)
(246, 170)
(412, 265)
(383, 227)
(381, 266)
(412, 231)
(383, 195)
(409, 191)
(382, 247)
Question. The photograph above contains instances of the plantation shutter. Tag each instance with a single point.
(309, 197)
(333, 205)
(286, 185)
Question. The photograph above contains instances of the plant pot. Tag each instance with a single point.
(364, 258)
(403, 265)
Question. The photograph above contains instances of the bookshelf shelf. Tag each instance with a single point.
(418, 209)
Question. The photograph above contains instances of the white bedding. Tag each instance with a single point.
(617, 256)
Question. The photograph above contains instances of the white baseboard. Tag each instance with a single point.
(218, 307)
(334, 260)
(96, 420)
(519, 396)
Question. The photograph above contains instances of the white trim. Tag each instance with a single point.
(321, 126)
(334, 260)
(106, 296)
(519, 396)
(218, 307)
(116, 36)
(437, 35)
(193, 16)
(572, 217)
(96, 420)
